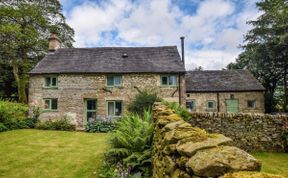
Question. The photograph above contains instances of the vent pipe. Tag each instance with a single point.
(182, 49)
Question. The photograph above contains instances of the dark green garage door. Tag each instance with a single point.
(232, 105)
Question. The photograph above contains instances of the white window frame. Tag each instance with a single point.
(114, 85)
(191, 100)
(168, 80)
(50, 104)
(214, 104)
(107, 107)
(50, 85)
(254, 104)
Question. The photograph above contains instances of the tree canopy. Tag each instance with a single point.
(24, 30)
(266, 49)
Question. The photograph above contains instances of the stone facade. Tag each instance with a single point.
(201, 99)
(73, 89)
(251, 132)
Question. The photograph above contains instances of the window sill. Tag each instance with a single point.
(252, 108)
(211, 110)
(168, 86)
(47, 110)
(52, 88)
(111, 87)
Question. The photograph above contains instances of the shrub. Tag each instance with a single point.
(180, 110)
(56, 124)
(2, 127)
(130, 151)
(101, 126)
(285, 138)
(13, 115)
(143, 101)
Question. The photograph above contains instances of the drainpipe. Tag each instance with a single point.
(179, 86)
(218, 102)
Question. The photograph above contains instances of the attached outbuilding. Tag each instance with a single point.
(224, 91)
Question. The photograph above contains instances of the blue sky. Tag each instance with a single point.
(213, 29)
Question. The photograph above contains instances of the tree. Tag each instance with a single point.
(24, 29)
(266, 49)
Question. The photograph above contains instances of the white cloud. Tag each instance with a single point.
(89, 20)
(217, 26)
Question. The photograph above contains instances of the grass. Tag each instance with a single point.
(38, 153)
(274, 163)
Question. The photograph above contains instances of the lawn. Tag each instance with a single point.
(274, 163)
(37, 153)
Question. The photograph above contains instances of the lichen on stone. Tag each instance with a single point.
(247, 174)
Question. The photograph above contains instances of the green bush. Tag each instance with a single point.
(130, 151)
(2, 127)
(101, 126)
(285, 139)
(143, 101)
(180, 110)
(56, 124)
(13, 115)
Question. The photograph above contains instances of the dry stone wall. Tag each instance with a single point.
(183, 151)
(251, 132)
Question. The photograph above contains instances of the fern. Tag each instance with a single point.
(131, 142)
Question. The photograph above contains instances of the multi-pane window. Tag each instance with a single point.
(91, 110)
(51, 104)
(114, 80)
(168, 80)
(211, 105)
(51, 82)
(251, 103)
(114, 108)
(191, 105)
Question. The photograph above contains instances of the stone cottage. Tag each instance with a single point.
(88, 83)
(223, 91)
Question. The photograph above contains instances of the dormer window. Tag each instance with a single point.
(51, 82)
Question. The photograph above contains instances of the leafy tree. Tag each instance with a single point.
(8, 87)
(266, 49)
(143, 101)
(24, 29)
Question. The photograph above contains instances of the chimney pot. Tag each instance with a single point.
(54, 42)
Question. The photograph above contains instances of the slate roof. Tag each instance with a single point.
(221, 81)
(164, 59)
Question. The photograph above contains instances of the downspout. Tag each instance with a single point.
(179, 76)
(179, 87)
(218, 102)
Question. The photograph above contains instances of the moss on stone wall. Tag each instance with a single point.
(183, 151)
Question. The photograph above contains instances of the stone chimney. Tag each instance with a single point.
(54, 42)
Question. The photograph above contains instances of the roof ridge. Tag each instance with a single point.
(217, 70)
(117, 47)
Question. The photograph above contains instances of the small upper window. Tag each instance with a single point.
(211, 105)
(51, 81)
(51, 104)
(251, 103)
(191, 105)
(168, 80)
(115, 80)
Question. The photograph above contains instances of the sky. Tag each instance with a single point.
(213, 29)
